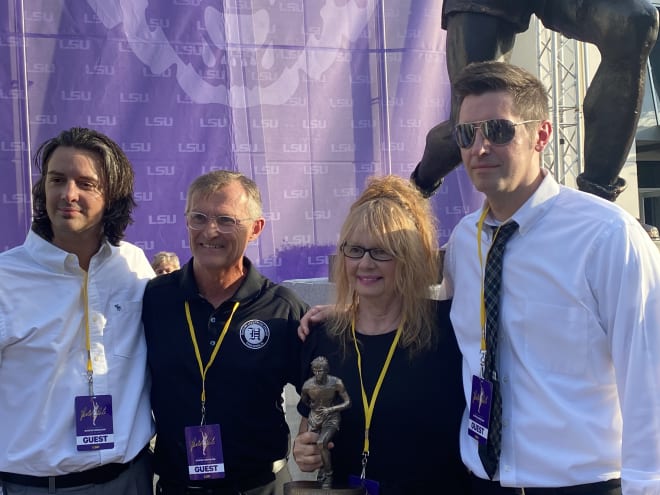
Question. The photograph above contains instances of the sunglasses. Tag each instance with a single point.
(496, 131)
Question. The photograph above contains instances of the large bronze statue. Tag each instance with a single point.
(624, 31)
(326, 397)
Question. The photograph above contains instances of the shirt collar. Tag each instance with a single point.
(249, 289)
(534, 208)
(57, 260)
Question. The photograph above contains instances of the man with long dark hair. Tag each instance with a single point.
(73, 389)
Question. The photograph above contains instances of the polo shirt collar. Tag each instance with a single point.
(249, 289)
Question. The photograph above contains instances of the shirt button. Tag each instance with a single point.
(507, 468)
(213, 319)
(212, 343)
(505, 378)
(505, 424)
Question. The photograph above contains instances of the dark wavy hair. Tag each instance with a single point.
(116, 175)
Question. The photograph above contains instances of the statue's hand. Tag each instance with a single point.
(441, 156)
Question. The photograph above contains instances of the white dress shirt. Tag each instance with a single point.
(579, 342)
(43, 354)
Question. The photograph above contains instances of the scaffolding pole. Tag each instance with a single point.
(563, 70)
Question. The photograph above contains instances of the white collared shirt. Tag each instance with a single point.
(43, 354)
(579, 347)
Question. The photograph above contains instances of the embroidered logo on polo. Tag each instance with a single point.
(254, 334)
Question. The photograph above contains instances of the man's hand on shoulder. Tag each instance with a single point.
(316, 314)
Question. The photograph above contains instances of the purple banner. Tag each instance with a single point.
(309, 98)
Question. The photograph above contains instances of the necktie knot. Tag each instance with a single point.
(504, 232)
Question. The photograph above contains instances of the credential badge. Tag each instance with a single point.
(255, 334)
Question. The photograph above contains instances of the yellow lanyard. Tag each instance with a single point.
(482, 308)
(203, 369)
(366, 404)
(88, 342)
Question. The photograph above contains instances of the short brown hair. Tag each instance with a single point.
(530, 97)
(217, 179)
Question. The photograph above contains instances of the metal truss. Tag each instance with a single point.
(562, 68)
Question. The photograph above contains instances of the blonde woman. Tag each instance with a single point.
(393, 348)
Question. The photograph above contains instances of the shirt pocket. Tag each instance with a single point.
(124, 329)
(556, 338)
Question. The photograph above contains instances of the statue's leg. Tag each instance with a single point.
(624, 32)
(470, 38)
(325, 472)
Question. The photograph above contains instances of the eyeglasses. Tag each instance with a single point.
(497, 131)
(357, 252)
(225, 223)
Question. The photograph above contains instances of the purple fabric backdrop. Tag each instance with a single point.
(309, 98)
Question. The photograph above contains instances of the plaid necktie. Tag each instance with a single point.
(489, 452)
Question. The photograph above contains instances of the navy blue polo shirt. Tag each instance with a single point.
(259, 355)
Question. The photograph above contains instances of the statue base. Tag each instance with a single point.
(314, 488)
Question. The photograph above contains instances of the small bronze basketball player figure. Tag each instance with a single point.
(322, 394)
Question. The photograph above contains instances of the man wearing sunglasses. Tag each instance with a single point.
(221, 345)
(577, 344)
(624, 32)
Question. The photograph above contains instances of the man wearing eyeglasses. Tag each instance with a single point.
(624, 31)
(222, 344)
(576, 342)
